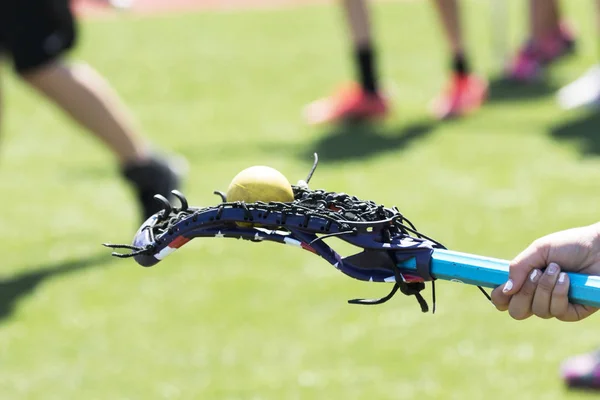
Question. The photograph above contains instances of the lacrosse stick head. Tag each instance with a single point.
(384, 235)
(144, 239)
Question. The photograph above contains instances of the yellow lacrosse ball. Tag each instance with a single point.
(260, 183)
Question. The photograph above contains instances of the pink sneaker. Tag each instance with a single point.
(528, 64)
(582, 371)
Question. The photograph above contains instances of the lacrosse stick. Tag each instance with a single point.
(393, 250)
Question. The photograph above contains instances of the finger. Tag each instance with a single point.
(520, 304)
(529, 259)
(559, 304)
(500, 299)
(544, 290)
(577, 312)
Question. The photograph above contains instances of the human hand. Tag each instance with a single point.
(530, 290)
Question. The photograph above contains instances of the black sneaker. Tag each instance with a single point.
(156, 176)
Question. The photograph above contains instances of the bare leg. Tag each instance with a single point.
(544, 18)
(450, 15)
(83, 94)
(359, 25)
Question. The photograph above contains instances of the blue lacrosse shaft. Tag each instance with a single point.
(492, 272)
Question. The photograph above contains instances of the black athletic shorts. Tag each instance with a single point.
(35, 32)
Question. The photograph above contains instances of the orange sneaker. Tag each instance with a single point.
(350, 104)
(464, 94)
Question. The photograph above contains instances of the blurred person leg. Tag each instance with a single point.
(38, 35)
(585, 90)
(465, 91)
(356, 101)
(550, 39)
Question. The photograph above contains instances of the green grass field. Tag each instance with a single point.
(234, 320)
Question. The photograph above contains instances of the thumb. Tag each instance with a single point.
(533, 257)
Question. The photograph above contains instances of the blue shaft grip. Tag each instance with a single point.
(492, 272)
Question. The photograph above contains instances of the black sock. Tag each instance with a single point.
(365, 61)
(460, 64)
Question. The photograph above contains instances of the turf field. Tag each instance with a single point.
(234, 320)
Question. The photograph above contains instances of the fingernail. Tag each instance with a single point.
(562, 277)
(552, 269)
(507, 286)
(534, 275)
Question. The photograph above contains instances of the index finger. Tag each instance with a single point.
(532, 257)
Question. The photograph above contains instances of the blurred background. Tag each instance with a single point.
(224, 83)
